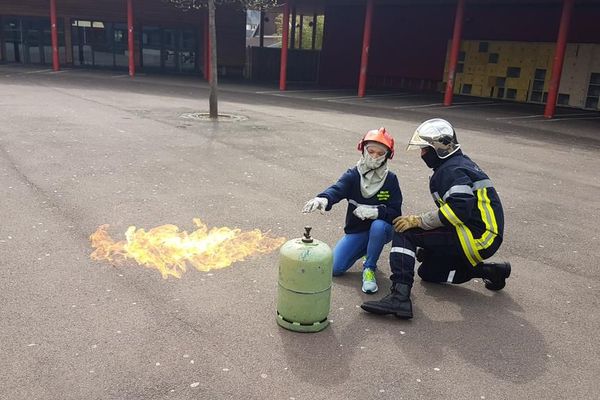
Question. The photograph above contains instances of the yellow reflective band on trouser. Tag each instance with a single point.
(489, 219)
(465, 236)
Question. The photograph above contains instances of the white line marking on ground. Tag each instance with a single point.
(119, 76)
(38, 71)
(421, 106)
(355, 97)
(569, 119)
(518, 117)
(296, 91)
(471, 103)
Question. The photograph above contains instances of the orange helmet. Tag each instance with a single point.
(380, 136)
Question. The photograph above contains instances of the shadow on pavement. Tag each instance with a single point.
(489, 334)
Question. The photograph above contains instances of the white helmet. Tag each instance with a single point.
(436, 133)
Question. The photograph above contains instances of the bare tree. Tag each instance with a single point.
(187, 5)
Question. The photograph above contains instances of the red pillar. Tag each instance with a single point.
(54, 36)
(206, 50)
(559, 57)
(456, 35)
(284, 46)
(364, 61)
(130, 37)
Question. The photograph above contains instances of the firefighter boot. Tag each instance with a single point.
(397, 303)
(494, 275)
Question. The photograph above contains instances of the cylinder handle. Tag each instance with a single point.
(307, 238)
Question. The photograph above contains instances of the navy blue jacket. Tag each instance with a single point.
(388, 199)
(468, 201)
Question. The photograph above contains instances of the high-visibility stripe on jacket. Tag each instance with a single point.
(468, 201)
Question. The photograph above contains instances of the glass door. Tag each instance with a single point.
(33, 34)
(121, 45)
(170, 50)
(151, 47)
(82, 43)
(188, 51)
(13, 39)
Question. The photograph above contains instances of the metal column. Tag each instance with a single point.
(364, 61)
(301, 28)
(130, 38)
(54, 36)
(284, 47)
(314, 31)
(261, 30)
(559, 57)
(293, 33)
(456, 35)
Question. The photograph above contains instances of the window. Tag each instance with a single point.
(593, 93)
(493, 58)
(537, 86)
(513, 72)
(483, 47)
(536, 97)
(461, 56)
(563, 99)
(466, 88)
(540, 74)
(511, 94)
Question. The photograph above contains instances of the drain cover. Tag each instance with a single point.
(206, 117)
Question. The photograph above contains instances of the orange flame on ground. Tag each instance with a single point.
(169, 250)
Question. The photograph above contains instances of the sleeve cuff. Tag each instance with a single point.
(431, 220)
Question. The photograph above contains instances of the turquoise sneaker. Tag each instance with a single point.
(369, 284)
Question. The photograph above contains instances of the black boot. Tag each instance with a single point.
(494, 274)
(397, 303)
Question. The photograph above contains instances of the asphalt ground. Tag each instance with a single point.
(80, 148)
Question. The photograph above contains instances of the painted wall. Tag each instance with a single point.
(409, 43)
(402, 44)
(342, 46)
(521, 71)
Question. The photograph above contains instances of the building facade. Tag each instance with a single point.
(95, 34)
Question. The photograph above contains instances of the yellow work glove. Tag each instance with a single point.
(406, 222)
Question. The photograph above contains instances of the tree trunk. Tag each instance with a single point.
(212, 38)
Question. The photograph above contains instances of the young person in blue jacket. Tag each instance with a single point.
(454, 239)
(374, 201)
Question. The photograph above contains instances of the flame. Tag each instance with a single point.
(170, 250)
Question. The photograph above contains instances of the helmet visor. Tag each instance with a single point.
(416, 142)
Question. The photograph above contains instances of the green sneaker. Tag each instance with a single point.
(369, 284)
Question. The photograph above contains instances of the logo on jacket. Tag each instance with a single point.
(383, 195)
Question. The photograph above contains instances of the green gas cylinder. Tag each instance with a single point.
(304, 296)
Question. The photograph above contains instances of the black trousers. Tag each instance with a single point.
(442, 258)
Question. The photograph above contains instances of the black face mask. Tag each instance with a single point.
(431, 159)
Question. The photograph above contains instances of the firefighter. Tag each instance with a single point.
(453, 240)
(374, 201)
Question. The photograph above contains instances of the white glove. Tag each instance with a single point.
(366, 212)
(318, 203)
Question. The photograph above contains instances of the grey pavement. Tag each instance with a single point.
(82, 148)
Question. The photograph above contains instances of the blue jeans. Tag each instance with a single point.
(353, 246)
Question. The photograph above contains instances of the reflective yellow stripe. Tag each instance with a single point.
(489, 219)
(467, 242)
